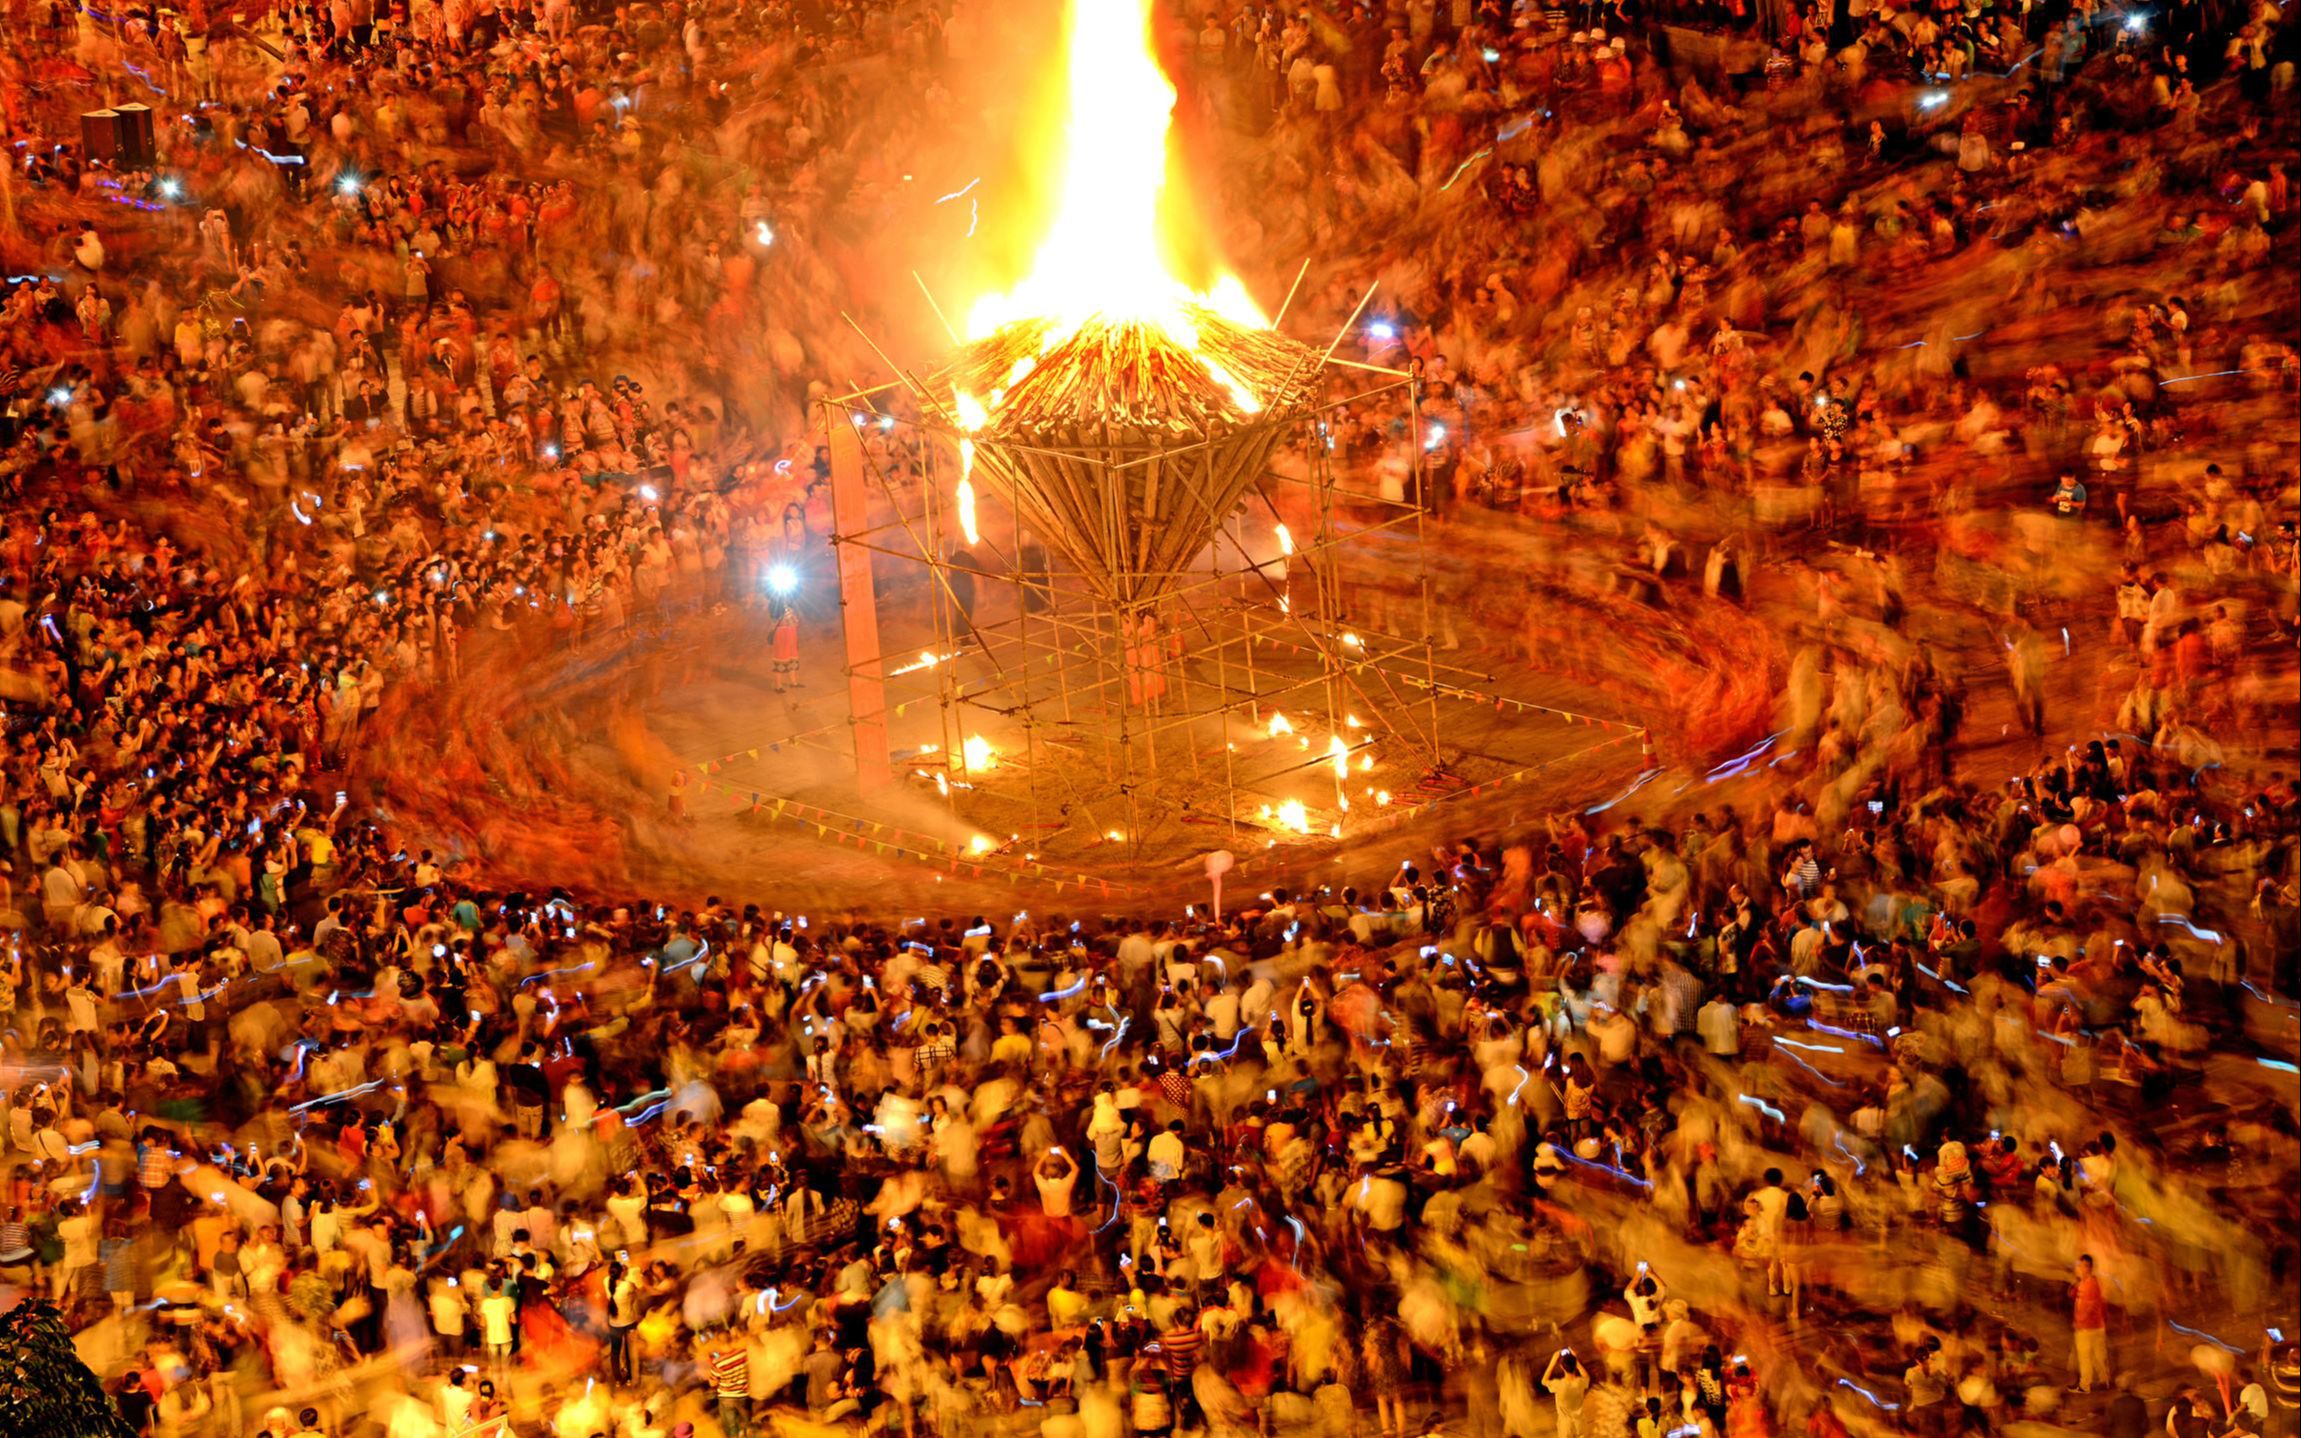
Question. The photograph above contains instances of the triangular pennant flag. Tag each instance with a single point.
(754, 753)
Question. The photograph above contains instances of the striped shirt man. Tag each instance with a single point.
(1182, 1346)
(731, 1372)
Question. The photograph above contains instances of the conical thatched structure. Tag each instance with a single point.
(1123, 447)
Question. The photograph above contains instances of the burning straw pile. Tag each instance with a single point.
(1133, 375)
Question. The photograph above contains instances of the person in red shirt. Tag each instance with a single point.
(784, 648)
(2002, 1164)
(2090, 1318)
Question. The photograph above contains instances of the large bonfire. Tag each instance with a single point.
(1095, 371)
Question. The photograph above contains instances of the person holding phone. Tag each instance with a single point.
(1568, 1386)
(1056, 1175)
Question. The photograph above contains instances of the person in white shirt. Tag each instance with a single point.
(455, 1398)
(327, 1222)
(1205, 1246)
(2164, 613)
(451, 1319)
(1056, 1176)
(1380, 1201)
(1255, 1004)
(1646, 1296)
(1616, 1033)
(497, 1313)
(1568, 1386)
(1222, 1012)
(1168, 1153)
(1479, 1147)
(622, 1318)
(76, 1230)
(79, 1003)
(1720, 1025)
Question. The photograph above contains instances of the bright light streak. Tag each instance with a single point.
(927, 659)
(973, 414)
(1635, 785)
(782, 579)
(963, 497)
(1463, 168)
(1739, 763)
(1875, 1402)
(2209, 936)
(2224, 1346)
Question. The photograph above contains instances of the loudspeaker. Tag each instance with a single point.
(101, 135)
(137, 145)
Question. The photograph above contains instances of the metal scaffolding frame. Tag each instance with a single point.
(1121, 727)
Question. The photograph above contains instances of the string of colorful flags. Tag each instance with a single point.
(777, 746)
(1501, 702)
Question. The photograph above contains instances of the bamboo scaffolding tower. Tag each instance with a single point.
(1149, 632)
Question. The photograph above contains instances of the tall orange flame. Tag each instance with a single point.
(1101, 255)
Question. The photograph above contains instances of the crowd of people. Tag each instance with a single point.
(1893, 1077)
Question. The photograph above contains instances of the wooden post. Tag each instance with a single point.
(858, 604)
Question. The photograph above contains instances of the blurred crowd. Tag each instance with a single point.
(1876, 370)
